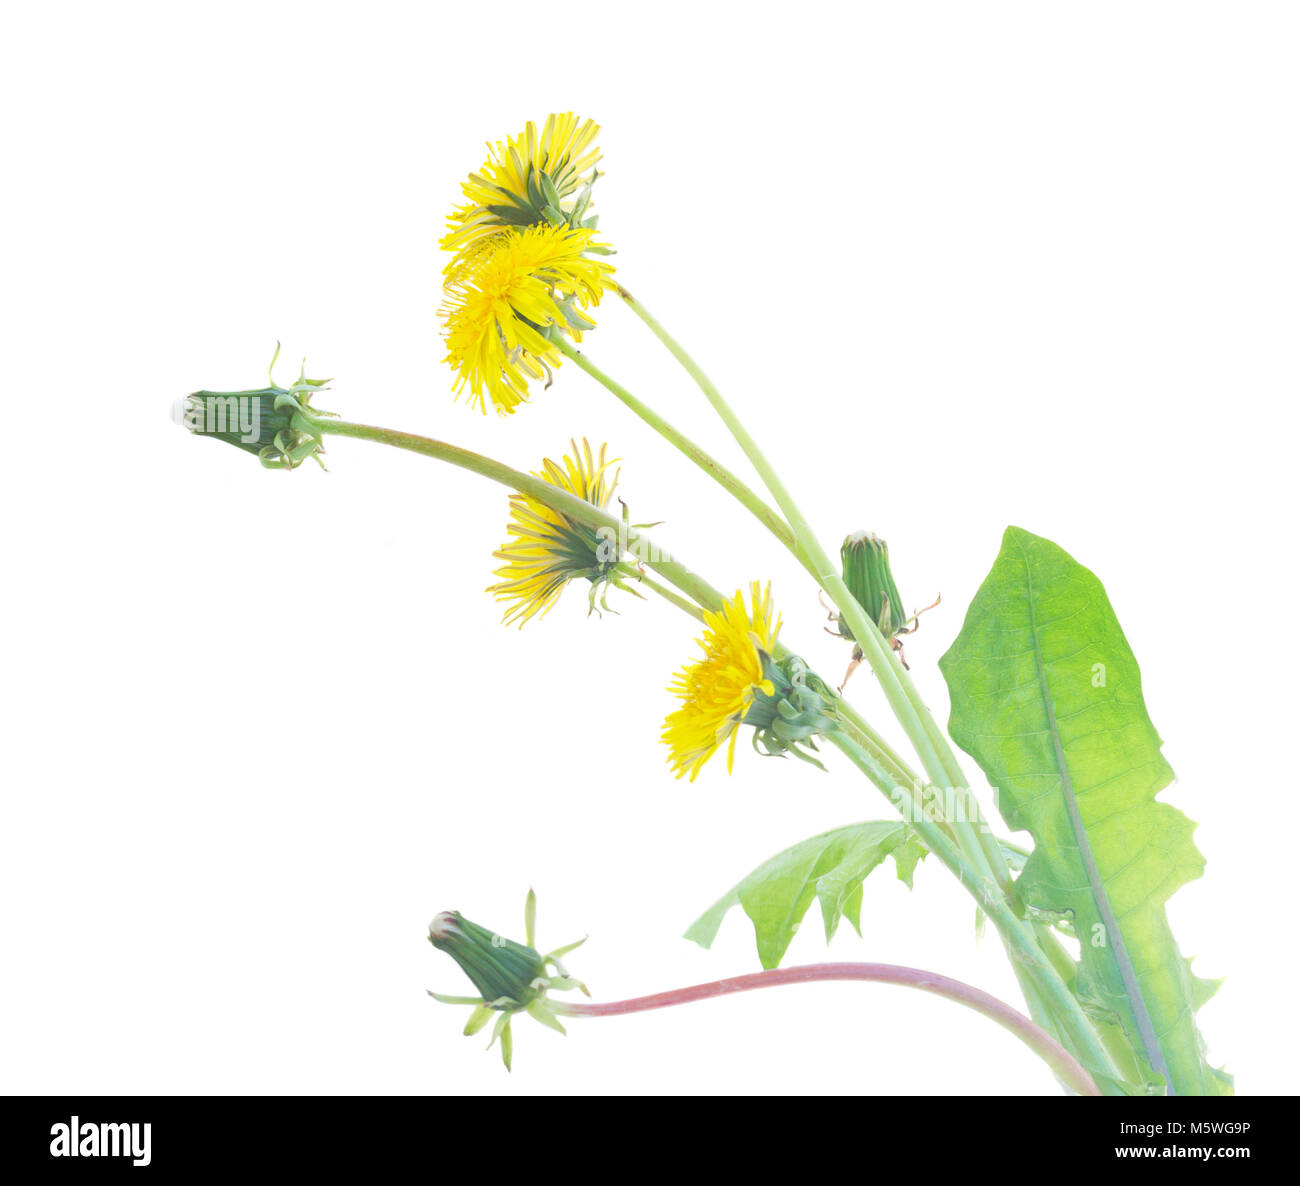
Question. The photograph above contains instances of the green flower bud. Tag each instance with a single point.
(504, 972)
(510, 977)
(865, 560)
(272, 422)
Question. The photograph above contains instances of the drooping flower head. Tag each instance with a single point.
(533, 179)
(718, 690)
(547, 549)
(523, 286)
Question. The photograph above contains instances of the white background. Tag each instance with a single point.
(959, 266)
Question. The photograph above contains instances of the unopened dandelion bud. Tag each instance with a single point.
(504, 972)
(272, 422)
(865, 558)
(510, 977)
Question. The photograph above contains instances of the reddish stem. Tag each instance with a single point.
(1063, 1064)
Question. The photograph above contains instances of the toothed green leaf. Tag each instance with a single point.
(830, 867)
(1047, 698)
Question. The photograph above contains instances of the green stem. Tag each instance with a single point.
(903, 794)
(1027, 957)
(931, 747)
(937, 759)
(898, 770)
(635, 574)
(871, 759)
(578, 509)
(818, 563)
(1034, 958)
(709, 464)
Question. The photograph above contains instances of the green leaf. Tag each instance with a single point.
(1047, 698)
(830, 867)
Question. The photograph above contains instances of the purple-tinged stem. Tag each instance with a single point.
(1066, 1068)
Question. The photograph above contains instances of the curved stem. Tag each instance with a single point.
(913, 804)
(940, 765)
(1027, 957)
(1066, 1068)
(875, 761)
(923, 731)
(578, 509)
(1034, 959)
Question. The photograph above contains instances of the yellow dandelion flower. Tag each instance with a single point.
(547, 550)
(718, 689)
(529, 180)
(498, 314)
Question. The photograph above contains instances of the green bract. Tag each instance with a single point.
(794, 715)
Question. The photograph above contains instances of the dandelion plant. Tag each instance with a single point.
(1046, 692)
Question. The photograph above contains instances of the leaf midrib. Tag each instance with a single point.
(1146, 1028)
